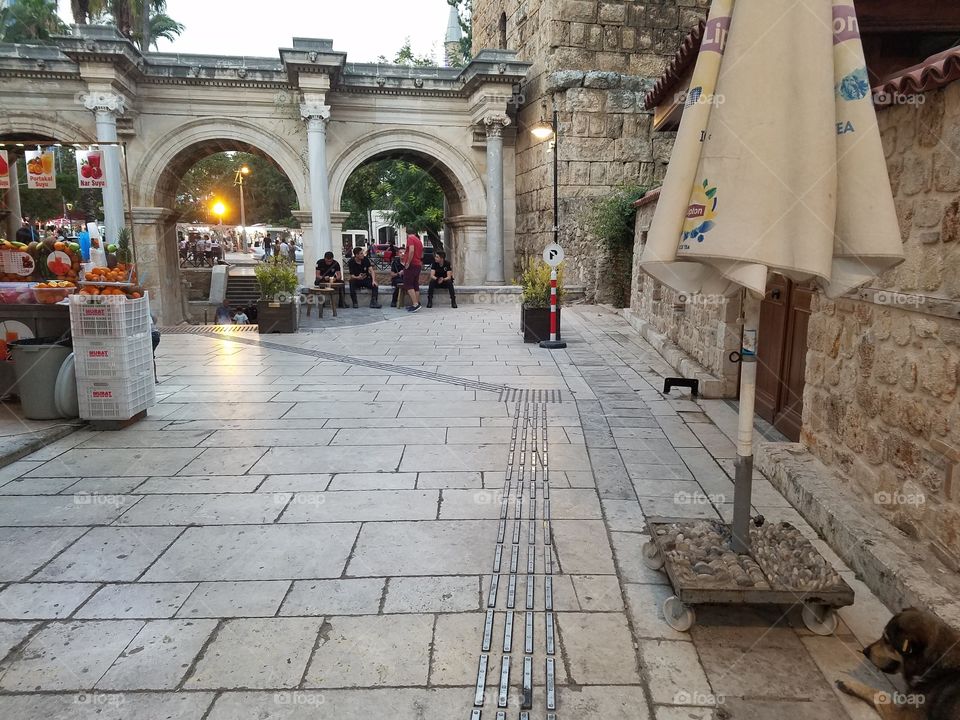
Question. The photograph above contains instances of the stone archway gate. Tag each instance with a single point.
(317, 116)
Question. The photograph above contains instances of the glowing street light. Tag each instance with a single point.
(238, 180)
(219, 209)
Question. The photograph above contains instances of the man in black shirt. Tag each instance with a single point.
(362, 276)
(328, 271)
(441, 276)
(396, 276)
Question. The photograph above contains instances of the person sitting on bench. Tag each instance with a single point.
(441, 276)
(328, 271)
(396, 277)
(362, 276)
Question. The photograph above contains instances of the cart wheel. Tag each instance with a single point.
(820, 619)
(679, 616)
(652, 557)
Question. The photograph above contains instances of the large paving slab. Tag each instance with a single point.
(256, 552)
(110, 554)
(424, 548)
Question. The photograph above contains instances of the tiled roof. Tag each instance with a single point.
(649, 197)
(935, 72)
(685, 57)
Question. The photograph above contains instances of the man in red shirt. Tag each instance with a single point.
(413, 264)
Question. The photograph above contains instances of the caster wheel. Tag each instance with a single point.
(678, 616)
(652, 557)
(820, 619)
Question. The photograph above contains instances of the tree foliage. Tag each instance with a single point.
(128, 17)
(29, 21)
(407, 193)
(405, 56)
(612, 220)
(268, 194)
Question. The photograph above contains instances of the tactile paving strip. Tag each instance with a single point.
(526, 488)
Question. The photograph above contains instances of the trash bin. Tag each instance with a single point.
(36, 363)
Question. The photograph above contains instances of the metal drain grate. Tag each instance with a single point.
(534, 396)
(206, 329)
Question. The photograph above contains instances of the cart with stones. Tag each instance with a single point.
(782, 568)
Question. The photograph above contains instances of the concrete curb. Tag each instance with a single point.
(13, 448)
(867, 547)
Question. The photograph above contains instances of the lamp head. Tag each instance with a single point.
(542, 130)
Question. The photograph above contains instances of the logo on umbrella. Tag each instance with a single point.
(700, 213)
(854, 86)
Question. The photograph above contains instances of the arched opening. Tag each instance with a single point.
(395, 193)
(178, 184)
(502, 31)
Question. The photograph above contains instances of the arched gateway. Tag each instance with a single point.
(312, 113)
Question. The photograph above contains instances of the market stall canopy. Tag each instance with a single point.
(778, 164)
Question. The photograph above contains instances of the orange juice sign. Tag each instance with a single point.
(40, 170)
(90, 169)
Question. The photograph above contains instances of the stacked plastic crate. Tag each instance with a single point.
(113, 354)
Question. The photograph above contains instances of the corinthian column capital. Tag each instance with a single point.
(313, 111)
(495, 124)
(104, 101)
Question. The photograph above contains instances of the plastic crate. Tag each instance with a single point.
(115, 399)
(110, 358)
(109, 315)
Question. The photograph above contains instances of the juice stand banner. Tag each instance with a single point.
(90, 169)
(4, 170)
(40, 170)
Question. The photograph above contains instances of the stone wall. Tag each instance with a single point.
(880, 404)
(596, 60)
(696, 336)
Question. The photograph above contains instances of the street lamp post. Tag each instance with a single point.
(238, 180)
(551, 131)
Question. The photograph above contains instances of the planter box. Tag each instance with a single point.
(276, 317)
(535, 323)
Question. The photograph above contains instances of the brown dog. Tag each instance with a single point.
(926, 652)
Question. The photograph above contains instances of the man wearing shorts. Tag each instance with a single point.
(413, 262)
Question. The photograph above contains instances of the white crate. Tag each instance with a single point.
(112, 358)
(109, 315)
(115, 399)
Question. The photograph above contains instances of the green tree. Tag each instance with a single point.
(128, 17)
(405, 56)
(465, 11)
(412, 199)
(360, 194)
(29, 21)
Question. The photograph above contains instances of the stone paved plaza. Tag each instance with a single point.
(308, 528)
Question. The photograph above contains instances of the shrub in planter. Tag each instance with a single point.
(277, 308)
(535, 302)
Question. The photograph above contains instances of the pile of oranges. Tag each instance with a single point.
(130, 292)
(118, 274)
(48, 293)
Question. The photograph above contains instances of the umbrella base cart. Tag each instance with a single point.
(782, 568)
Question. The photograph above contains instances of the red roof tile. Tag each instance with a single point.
(684, 58)
(935, 72)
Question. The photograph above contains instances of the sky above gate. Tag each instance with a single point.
(364, 29)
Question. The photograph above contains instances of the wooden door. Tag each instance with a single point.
(782, 354)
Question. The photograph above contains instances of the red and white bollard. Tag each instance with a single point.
(553, 343)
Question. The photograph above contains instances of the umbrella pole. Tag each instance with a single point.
(743, 483)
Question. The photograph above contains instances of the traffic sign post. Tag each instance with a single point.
(553, 256)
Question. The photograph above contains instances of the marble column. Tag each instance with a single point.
(320, 241)
(15, 219)
(495, 125)
(106, 107)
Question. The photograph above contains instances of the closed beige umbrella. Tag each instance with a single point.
(778, 167)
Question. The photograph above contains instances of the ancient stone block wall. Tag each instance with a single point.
(880, 403)
(596, 60)
(704, 329)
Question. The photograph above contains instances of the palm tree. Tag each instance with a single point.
(143, 21)
(29, 21)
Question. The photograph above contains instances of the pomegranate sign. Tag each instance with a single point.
(90, 169)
